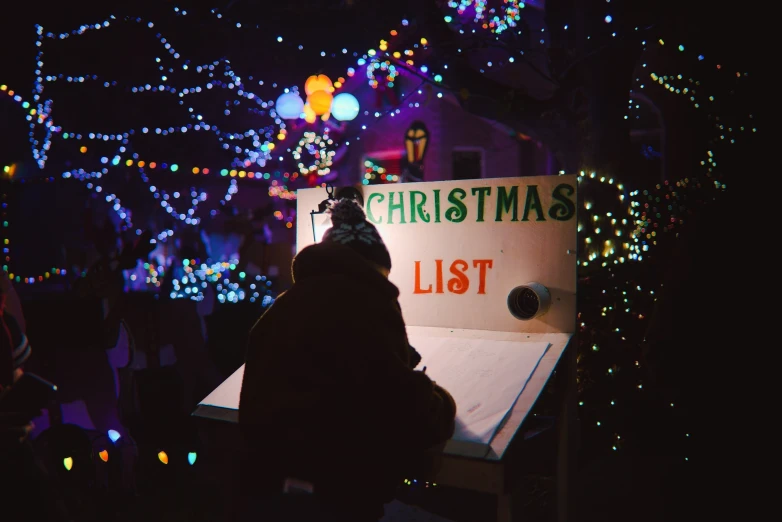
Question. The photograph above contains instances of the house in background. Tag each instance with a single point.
(460, 145)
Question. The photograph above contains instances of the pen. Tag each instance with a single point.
(424, 370)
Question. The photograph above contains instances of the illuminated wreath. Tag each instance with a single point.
(377, 68)
(317, 147)
(495, 21)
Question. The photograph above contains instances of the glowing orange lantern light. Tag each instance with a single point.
(309, 114)
(319, 82)
(320, 101)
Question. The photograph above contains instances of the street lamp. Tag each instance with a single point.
(323, 206)
(343, 193)
(416, 144)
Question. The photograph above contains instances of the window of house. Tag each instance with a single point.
(467, 164)
(382, 167)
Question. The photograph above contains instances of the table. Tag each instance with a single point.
(494, 469)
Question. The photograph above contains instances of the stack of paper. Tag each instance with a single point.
(485, 377)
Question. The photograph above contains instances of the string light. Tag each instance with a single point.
(639, 221)
(416, 482)
(278, 190)
(196, 278)
(496, 20)
(373, 171)
(384, 67)
(259, 152)
(612, 235)
(317, 146)
(609, 237)
(162, 457)
(625, 233)
(6, 245)
(262, 145)
(188, 216)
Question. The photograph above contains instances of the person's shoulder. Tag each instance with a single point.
(324, 288)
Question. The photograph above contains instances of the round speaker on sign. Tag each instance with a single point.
(528, 301)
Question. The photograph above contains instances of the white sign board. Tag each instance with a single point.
(494, 381)
(458, 248)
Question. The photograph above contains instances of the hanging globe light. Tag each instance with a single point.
(309, 114)
(320, 101)
(318, 82)
(289, 106)
(344, 107)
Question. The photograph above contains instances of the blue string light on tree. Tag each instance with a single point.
(259, 152)
(196, 278)
(233, 188)
(84, 176)
(40, 113)
(188, 217)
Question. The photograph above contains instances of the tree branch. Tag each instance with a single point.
(509, 104)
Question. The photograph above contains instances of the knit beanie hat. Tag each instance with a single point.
(351, 228)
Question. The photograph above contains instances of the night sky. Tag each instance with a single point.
(123, 53)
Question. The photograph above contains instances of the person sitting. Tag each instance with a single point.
(330, 397)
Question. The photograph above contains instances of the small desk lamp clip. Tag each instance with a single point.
(323, 206)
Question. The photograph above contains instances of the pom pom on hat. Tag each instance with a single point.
(346, 212)
(351, 228)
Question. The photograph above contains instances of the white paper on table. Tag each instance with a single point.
(485, 377)
(227, 394)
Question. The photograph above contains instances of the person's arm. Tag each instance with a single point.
(415, 357)
(373, 351)
(427, 411)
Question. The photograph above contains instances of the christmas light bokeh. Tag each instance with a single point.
(625, 231)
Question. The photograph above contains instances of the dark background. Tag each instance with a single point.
(711, 316)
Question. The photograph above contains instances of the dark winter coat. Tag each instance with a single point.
(328, 388)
